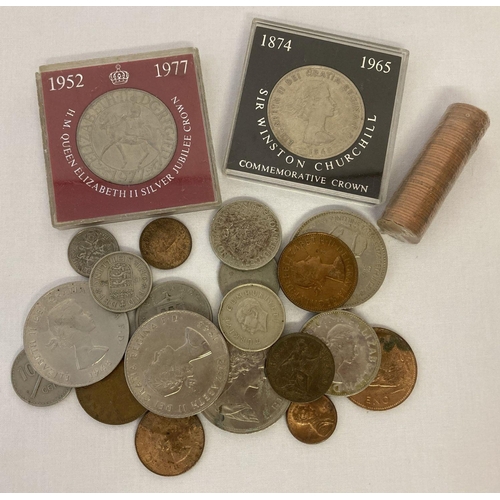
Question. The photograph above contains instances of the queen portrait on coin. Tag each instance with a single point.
(345, 350)
(251, 316)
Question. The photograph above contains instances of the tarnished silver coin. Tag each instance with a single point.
(32, 387)
(245, 234)
(365, 242)
(70, 340)
(355, 348)
(126, 136)
(177, 364)
(316, 112)
(88, 246)
(248, 403)
(267, 275)
(120, 281)
(251, 317)
(173, 296)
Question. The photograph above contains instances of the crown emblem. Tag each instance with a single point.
(119, 77)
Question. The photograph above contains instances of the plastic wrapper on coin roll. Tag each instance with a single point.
(416, 202)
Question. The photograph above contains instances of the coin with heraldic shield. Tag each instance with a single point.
(267, 275)
(70, 340)
(177, 364)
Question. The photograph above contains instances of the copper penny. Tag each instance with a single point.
(314, 422)
(110, 400)
(317, 272)
(165, 243)
(300, 367)
(396, 377)
(169, 446)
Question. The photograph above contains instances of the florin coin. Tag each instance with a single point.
(248, 403)
(251, 317)
(177, 364)
(110, 400)
(355, 348)
(120, 282)
(165, 243)
(313, 422)
(267, 275)
(32, 387)
(300, 367)
(88, 246)
(70, 340)
(396, 377)
(169, 446)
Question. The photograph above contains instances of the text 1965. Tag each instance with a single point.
(66, 82)
(379, 66)
(275, 42)
(173, 68)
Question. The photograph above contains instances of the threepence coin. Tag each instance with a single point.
(267, 275)
(70, 340)
(177, 364)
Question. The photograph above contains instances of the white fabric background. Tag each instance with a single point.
(441, 295)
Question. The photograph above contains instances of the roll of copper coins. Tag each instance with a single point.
(416, 202)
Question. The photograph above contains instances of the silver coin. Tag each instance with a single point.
(71, 341)
(245, 234)
(173, 296)
(126, 136)
(177, 364)
(120, 281)
(32, 387)
(251, 317)
(355, 348)
(267, 275)
(365, 242)
(248, 403)
(88, 246)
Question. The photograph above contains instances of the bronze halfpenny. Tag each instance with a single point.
(169, 446)
(314, 422)
(165, 243)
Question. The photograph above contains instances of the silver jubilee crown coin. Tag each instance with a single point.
(177, 364)
(70, 340)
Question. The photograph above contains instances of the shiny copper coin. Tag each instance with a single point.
(110, 400)
(300, 367)
(314, 422)
(169, 446)
(396, 377)
(317, 272)
(165, 243)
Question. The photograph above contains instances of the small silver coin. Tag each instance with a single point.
(120, 282)
(32, 387)
(251, 317)
(267, 275)
(70, 340)
(177, 364)
(248, 403)
(245, 234)
(365, 242)
(88, 246)
(173, 296)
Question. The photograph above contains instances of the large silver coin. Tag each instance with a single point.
(88, 246)
(251, 317)
(72, 341)
(32, 387)
(316, 112)
(177, 364)
(267, 275)
(173, 296)
(355, 348)
(245, 234)
(126, 136)
(248, 403)
(365, 242)
(120, 281)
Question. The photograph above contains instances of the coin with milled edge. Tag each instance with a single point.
(267, 275)
(177, 364)
(32, 387)
(88, 246)
(355, 348)
(120, 282)
(169, 446)
(70, 340)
